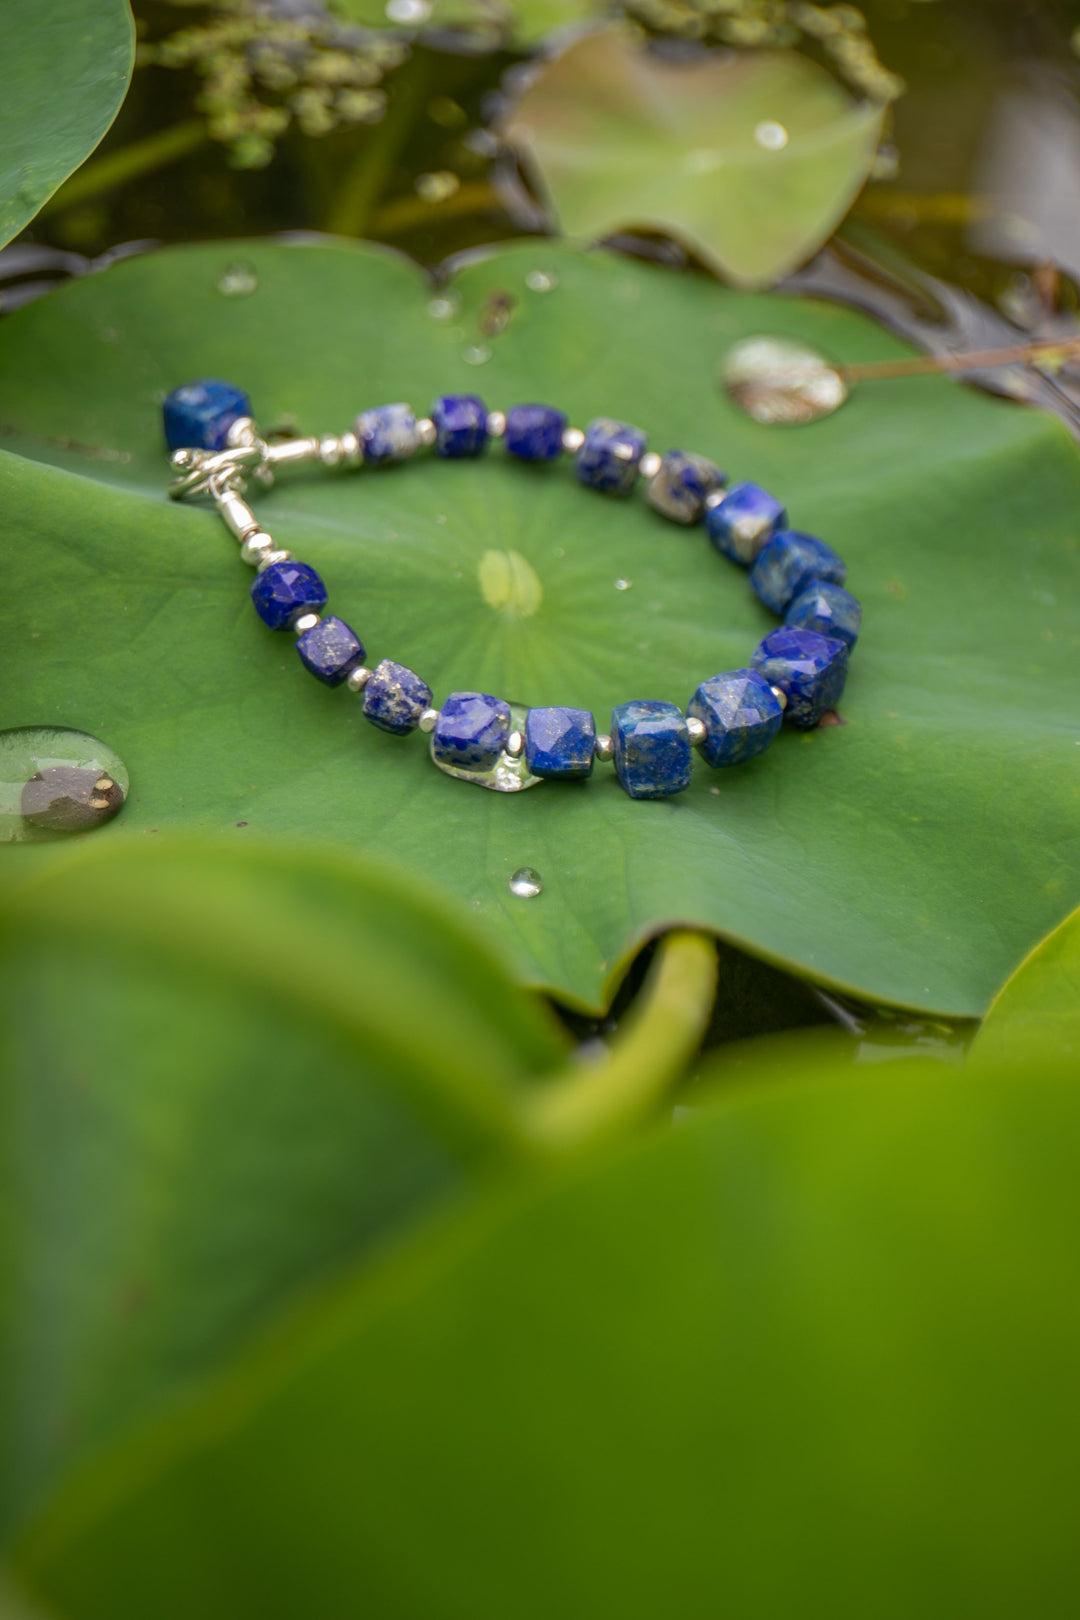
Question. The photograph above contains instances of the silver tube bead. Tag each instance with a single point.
(293, 452)
(237, 513)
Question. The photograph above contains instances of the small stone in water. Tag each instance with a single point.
(68, 798)
(526, 883)
(776, 379)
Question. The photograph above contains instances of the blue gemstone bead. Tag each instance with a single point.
(460, 425)
(680, 487)
(471, 731)
(285, 590)
(651, 749)
(787, 564)
(609, 458)
(199, 415)
(387, 433)
(330, 650)
(534, 432)
(740, 713)
(743, 521)
(809, 669)
(395, 698)
(828, 609)
(559, 742)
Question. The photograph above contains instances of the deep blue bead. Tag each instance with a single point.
(387, 433)
(828, 609)
(787, 564)
(199, 415)
(534, 432)
(395, 698)
(610, 456)
(559, 742)
(650, 748)
(330, 650)
(743, 521)
(471, 731)
(460, 425)
(680, 487)
(809, 669)
(285, 590)
(740, 713)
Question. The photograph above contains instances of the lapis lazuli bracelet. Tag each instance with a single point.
(797, 672)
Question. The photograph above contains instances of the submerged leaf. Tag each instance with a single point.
(750, 160)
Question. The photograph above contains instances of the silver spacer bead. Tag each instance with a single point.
(330, 452)
(515, 745)
(714, 497)
(496, 424)
(572, 440)
(428, 719)
(184, 459)
(425, 431)
(243, 431)
(305, 621)
(696, 728)
(358, 678)
(650, 463)
(272, 557)
(255, 547)
(602, 747)
(352, 451)
(780, 695)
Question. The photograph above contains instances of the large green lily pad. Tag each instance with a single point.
(64, 70)
(912, 855)
(751, 158)
(811, 1353)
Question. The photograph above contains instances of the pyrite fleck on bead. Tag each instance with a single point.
(682, 485)
(610, 456)
(460, 426)
(396, 699)
(739, 715)
(651, 749)
(471, 731)
(560, 742)
(283, 590)
(200, 414)
(330, 649)
(387, 433)
(809, 669)
(787, 564)
(743, 521)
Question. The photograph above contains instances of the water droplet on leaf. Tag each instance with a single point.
(775, 379)
(477, 356)
(55, 781)
(444, 307)
(623, 584)
(237, 281)
(526, 883)
(771, 135)
(541, 281)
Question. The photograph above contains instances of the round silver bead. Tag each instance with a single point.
(714, 497)
(241, 432)
(602, 747)
(425, 431)
(272, 557)
(357, 678)
(330, 453)
(572, 440)
(306, 621)
(515, 745)
(351, 449)
(428, 719)
(649, 464)
(184, 459)
(696, 728)
(496, 424)
(780, 695)
(255, 547)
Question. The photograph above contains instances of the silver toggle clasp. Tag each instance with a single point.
(199, 471)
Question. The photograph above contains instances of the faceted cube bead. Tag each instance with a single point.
(330, 650)
(534, 432)
(285, 590)
(460, 425)
(809, 669)
(828, 609)
(787, 564)
(743, 521)
(741, 715)
(471, 730)
(609, 458)
(199, 415)
(680, 487)
(387, 433)
(395, 698)
(559, 742)
(651, 749)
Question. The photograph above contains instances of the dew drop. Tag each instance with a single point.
(55, 781)
(444, 306)
(479, 355)
(237, 281)
(771, 135)
(526, 883)
(541, 281)
(623, 584)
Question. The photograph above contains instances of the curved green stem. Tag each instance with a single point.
(655, 1043)
(139, 157)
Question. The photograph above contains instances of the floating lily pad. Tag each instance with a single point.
(750, 159)
(911, 855)
(64, 70)
(1037, 1014)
